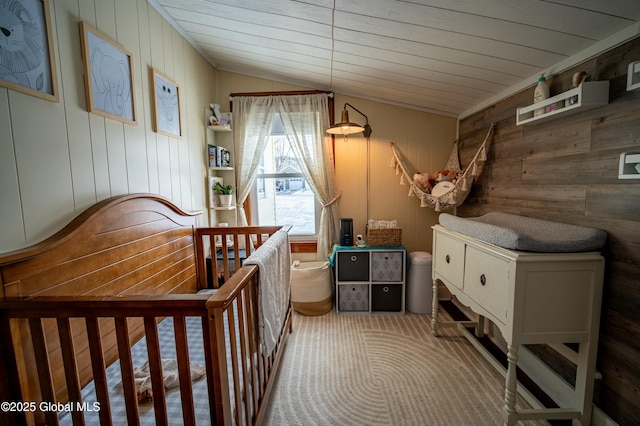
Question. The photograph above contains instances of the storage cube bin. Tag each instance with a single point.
(353, 266)
(387, 266)
(386, 297)
(311, 287)
(353, 297)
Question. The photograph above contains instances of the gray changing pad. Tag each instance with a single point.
(526, 233)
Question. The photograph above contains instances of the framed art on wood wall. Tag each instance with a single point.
(27, 62)
(166, 104)
(108, 76)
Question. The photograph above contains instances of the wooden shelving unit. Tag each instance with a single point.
(221, 136)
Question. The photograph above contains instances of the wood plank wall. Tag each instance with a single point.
(566, 170)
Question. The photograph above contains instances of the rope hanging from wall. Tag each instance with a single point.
(461, 181)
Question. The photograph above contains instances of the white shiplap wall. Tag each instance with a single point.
(56, 159)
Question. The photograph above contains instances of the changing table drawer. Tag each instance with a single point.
(486, 281)
(448, 261)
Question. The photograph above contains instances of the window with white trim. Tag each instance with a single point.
(281, 194)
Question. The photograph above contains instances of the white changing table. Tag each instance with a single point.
(533, 298)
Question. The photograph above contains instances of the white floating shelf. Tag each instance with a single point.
(220, 128)
(590, 94)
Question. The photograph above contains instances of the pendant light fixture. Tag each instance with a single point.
(346, 127)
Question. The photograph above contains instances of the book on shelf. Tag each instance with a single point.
(213, 156)
(219, 156)
(224, 157)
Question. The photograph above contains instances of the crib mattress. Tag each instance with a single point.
(526, 233)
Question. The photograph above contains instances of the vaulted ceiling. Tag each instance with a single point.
(448, 56)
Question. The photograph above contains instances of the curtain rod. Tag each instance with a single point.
(286, 93)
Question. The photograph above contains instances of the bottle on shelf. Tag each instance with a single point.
(540, 93)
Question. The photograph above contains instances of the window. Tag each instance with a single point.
(281, 194)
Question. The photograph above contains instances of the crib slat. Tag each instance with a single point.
(155, 369)
(225, 258)
(98, 368)
(211, 364)
(248, 245)
(234, 362)
(262, 374)
(221, 370)
(236, 252)
(246, 372)
(184, 370)
(201, 261)
(214, 261)
(10, 389)
(70, 368)
(126, 370)
(255, 374)
(43, 367)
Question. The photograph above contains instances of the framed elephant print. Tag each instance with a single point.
(166, 104)
(108, 76)
(27, 62)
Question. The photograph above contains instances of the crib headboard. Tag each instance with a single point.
(125, 245)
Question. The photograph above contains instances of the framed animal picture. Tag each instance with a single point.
(108, 76)
(166, 104)
(27, 61)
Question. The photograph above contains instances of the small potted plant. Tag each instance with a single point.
(225, 193)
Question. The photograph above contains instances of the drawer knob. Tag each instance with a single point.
(385, 289)
(483, 279)
(354, 258)
(447, 258)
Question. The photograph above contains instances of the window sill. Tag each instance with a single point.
(303, 246)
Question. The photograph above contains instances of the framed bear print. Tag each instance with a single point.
(108, 76)
(27, 62)
(166, 104)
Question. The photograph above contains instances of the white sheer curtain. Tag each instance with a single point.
(305, 119)
(252, 118)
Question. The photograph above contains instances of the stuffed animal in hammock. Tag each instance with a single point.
(444, 175)
(423, 181)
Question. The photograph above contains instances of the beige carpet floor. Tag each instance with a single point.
(383, 370)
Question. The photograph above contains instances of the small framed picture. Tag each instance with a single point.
(27, 62)
(108, 76)
(166, 104)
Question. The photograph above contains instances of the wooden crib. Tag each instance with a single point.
(75, 303)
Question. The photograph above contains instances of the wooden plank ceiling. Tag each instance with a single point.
(446, 56)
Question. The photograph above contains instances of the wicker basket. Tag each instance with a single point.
(384, 237)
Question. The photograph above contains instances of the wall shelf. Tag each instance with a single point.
(222, 129)
(590, 94)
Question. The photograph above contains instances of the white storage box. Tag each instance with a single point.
(311, 287)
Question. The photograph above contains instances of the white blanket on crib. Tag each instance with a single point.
(274, 262)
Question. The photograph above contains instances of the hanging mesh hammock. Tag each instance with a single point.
(462, 183)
